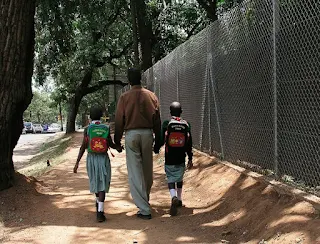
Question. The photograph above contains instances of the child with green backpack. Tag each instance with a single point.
(97, 141)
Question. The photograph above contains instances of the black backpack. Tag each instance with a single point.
(177, 135)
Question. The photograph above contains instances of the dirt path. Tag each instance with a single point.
(222, 206)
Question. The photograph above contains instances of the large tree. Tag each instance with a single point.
(75, 41)
(16, 66)
(162, 25)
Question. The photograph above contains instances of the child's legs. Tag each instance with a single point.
(179, 190)
(101, 196)
(175, 175)
(172, 189)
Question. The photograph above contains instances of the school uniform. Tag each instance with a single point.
(98, 169)
(175, 158)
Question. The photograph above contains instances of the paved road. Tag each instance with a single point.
(28, 146)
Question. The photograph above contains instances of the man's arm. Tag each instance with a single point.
(113, 145)
(119, 122)
(157, 125)
(163, 132)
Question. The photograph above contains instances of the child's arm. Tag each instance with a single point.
(113, 145)
(163, 132)
(83, 147)
(189, 149)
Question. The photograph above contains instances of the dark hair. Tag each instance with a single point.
(134, 76)
(175, 109)
(96, 112)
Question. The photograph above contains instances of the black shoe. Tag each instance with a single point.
(142, 216)
(101, 217)
(174, 205)
(179, 204)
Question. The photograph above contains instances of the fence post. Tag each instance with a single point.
(177, 71)
(211, 81)
(216, 105)
(275, 98)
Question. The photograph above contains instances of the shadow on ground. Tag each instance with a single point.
(221, 205)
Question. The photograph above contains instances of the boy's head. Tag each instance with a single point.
(134, 76)
(175, 109)
(96, 112)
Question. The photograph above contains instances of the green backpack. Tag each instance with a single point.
(97, 138)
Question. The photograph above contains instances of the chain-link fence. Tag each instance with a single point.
(249, 85)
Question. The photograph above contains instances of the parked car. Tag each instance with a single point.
(38, 128)
(29, 127)
(45, 127)
(53, 128)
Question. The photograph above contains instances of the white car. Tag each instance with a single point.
(29, 127)
(53, 128)
(38, 128)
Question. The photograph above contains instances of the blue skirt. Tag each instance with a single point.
(99, 172)
(175, 173)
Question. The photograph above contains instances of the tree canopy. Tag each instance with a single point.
(85, 45)
(42, 109)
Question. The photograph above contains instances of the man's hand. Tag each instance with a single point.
(156, 149)
(75, 169)
(190, 164)
(119, 148)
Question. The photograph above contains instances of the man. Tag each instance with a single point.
(138, 115)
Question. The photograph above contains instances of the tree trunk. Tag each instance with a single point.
(84, 120)
(82, 90)
(16, 67)
(75, 101)
(145, 34)
(60, 113)
(74, 105)
(135, 33)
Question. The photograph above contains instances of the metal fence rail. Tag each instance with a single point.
(249, 85)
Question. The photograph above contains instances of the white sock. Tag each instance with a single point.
(179, 193)
(173, 193)
(100, 207)
(97, 199)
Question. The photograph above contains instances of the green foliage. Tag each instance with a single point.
(73, 37)
(227, 4)
(41, 109)
(173, 23)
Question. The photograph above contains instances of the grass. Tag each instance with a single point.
(54, 151)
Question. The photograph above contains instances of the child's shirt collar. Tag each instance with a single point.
(176, 118)
(96, 122)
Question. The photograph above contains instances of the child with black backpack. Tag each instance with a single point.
(97, 141)
(176, 136)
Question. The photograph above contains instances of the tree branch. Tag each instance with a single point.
(103, 83)
(113, 18)
(210, 6)
(113, 56)
(191, 32)
(85, 80)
